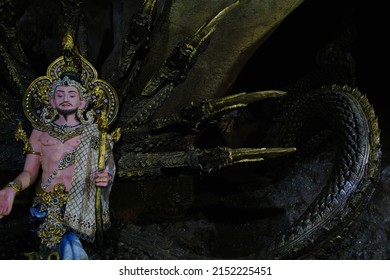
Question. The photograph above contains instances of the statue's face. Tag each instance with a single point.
(66, 100)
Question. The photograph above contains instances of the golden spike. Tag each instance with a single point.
(67, 41)
(116, 134)
(20, 135)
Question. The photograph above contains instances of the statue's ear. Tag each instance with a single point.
(83, 104)
(51, 100)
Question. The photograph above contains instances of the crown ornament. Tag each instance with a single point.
(71, 69)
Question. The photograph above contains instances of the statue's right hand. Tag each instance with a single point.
(7, 197)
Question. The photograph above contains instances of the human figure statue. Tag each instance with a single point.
(64, 145)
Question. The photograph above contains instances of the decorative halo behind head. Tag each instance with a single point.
(74, 70)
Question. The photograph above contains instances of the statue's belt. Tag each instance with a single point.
(53, 204)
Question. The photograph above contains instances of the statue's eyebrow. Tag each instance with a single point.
(70, 91)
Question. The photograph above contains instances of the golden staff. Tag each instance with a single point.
(103, 128)
(115, 135)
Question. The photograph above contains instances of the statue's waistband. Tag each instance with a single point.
(48, 207)
(57, 197)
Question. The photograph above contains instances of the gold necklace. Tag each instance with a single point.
(64, 132)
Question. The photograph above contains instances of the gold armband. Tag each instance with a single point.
(13, 185)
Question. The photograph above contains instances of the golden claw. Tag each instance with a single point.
(239, 100)
(257, 154)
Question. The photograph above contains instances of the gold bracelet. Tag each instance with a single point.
(13, 185)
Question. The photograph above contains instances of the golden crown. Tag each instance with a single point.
(70, 69)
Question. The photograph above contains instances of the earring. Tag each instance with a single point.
(89, 116)
(48, 115)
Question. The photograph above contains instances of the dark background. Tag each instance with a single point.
(291, 52)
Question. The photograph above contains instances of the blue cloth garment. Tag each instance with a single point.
(69, 248)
